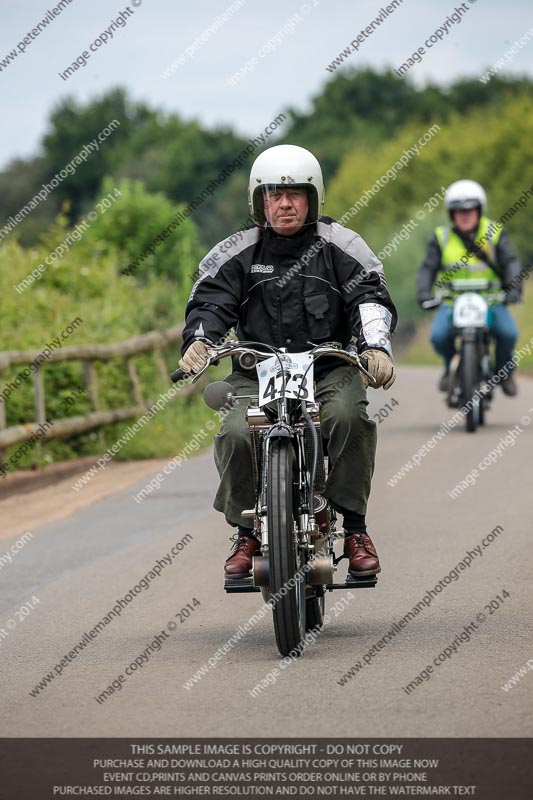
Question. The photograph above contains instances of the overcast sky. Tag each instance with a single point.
(309, 36)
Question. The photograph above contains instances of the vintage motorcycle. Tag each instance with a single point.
(293, 520)
(470, 386)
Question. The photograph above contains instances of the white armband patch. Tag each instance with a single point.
(376, 321)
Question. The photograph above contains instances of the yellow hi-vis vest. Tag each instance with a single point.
(458, 263)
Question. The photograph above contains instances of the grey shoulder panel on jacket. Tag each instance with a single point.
(227, 249)
(350, 243)
(223, 252)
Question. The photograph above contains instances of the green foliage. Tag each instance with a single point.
(19, 183)
(523, 315)
(86, 282)
(355, 108)
(361, 108)
(132, 223)
(72, 126)
(165, 152)
(492, 146)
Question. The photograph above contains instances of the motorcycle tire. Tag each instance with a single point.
(287, 581)
(470, 375)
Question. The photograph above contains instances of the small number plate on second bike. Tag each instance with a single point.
(297, 377)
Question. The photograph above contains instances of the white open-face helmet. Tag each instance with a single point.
(464, 195)
(286, 165)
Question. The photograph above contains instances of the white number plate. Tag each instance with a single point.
(271, 380)
(470, 311)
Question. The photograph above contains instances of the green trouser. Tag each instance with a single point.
(350, 434)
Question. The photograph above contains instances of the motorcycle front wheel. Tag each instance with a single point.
(470, 375)
(287, 581)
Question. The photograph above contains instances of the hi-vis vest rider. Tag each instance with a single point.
(458, 263)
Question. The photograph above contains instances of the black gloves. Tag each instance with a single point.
(512, 296)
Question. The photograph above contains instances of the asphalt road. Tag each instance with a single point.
(78, 568)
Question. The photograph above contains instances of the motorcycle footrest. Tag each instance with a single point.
(244, 584)
(361, 582)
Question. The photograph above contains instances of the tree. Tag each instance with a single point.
(73, 126)
(19, 183)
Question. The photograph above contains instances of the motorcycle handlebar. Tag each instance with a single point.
(178, 375)
(435, 302)
(360, 363)
(428, 304)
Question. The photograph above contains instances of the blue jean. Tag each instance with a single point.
(501, 324)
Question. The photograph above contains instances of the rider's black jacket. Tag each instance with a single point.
(321, 284)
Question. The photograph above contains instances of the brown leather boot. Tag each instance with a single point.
(362, 553)
(239, 562)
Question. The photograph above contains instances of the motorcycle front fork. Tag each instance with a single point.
(485, 372)
(311, 536)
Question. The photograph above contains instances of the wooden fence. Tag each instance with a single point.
(153, 342)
